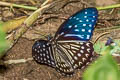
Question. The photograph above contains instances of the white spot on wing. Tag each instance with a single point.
(69, 26)
(87, 20)
(93, 12)
(45, 59)
(35, 49)
(43, 49)
(88, 49)
(38, 51)
(47, 56)
(72, 61)
(43, 45)
(77, 30)
(85, 12)
(83, 30)
(48, 61)
(38, 57)
(76, 26)
(79, 54)
(88, 36)
(93, 20)
(82, 67)
(83, 59)
(44, 54)
(81, 51)
(85, 16)
(74, 17)
(90, 25)
(86, 55)
(80, 20)
(84, 24)
(87, 44)
(46, 51)
(87, 63)
(93, 16)
(52, 63)
(82, 47)
(77, 18)
(40, 54)
(75, 66)
(89, 31)
(75, 58)
(80, 63)
(91, 59)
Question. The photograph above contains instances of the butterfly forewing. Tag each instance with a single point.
(78, 27)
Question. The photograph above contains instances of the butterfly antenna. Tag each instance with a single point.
(105, 33)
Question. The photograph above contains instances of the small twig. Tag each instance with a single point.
(46, 2)
(17, 6)
(101, 36)
(108, 7)
(114, 27)
(17, 61)
(49, 76)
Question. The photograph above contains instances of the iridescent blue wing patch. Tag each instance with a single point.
(79, 27)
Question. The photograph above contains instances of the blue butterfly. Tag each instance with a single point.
(70, 48)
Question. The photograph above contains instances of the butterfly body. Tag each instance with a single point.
(70, 48)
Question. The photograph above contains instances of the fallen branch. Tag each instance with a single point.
(17, 6)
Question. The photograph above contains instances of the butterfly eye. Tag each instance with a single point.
(70, 48)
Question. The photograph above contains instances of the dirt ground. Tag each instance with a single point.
(23, 49)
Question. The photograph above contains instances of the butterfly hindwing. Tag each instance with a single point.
(63, 64)
(78, 53)
(78, 27)
(42, 53)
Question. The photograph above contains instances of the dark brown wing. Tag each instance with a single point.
(73, 55)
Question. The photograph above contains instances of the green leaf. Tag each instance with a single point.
(105, 68)
(116, 48)
(99, 46)
(3, 43)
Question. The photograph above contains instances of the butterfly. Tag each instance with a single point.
(70, 48)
